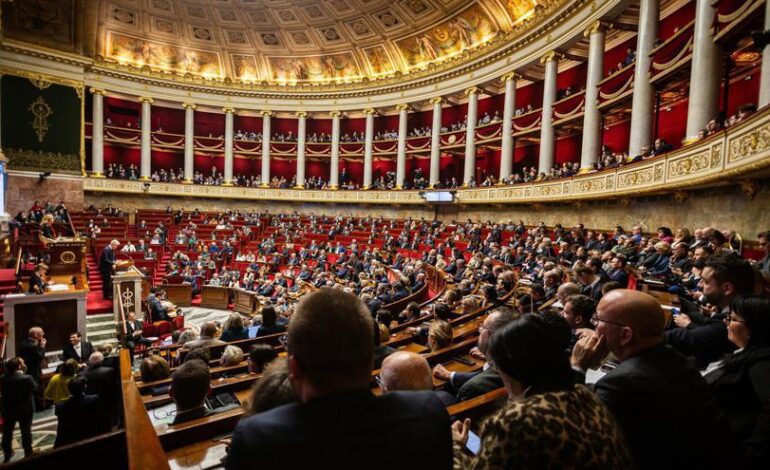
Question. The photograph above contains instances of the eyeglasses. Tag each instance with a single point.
(595, 321)
(730, 318)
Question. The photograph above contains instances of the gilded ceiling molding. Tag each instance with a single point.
(266, 113)
(302, 114)
(437, 100)
(38, 76)
(403, 107)
(509, 76)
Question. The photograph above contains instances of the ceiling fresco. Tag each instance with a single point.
(301, 41)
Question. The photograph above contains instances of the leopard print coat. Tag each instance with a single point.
(570, 429)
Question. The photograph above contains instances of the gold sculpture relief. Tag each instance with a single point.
(748, 144)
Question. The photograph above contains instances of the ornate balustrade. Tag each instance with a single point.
(739, 151)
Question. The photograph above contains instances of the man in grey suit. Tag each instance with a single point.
(473, 384)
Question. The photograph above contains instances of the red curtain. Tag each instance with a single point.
(616, 136)
(316, 168)
(283, 126)
(167, 160)
(530, 94)
(525, 154)
(568, 149)
(676, 20)
(169, 119)
(248, 124)
(209, 123)
(121, 155)
(574, 77)
(355, 170)
(204, 162)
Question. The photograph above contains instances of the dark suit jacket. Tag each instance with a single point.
(18, 392)
(706, 342)
(481, 383)
(351, 430)
(36, 281)
(33, 355)
(620, 276)
(102, 382)
(742, 386)
(106, 261)
(80, 418)
(594, 292)
(131, 327)
(669, 416)
(86, 348)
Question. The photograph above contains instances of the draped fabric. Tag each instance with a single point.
(40, 125)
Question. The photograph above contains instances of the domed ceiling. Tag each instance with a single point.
(291, 42)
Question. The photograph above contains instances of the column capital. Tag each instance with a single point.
(302, 114)
(335, 114)
(551, 55)
(266, 113)
(403, 107)
(145, 99)
(471, 91)
(98, 91)
(510, 76)
(596, 27)
(369, 111)
(437, 100)
(192, 106)
(228, 110)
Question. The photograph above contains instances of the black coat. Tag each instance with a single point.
(471, 385)
(106, 261)
(666, 411)
(707, 342)
(742, 387)
(351, 430)
(80, 418)
(86, 348)
(33, 355)
(18, 392)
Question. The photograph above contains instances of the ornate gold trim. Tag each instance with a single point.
(266, 112)
(474, 90)
(301, 114)
(145, 99)
(228, 109)
(509, 76)
(437, 100)
(551, 56)
(36, 76)
(403, 107)
(187, 105)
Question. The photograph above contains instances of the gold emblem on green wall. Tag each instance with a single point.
(41, 111)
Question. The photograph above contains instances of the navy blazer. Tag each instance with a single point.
(350, 430)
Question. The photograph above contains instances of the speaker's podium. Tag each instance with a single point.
(126, 291)
(61, 310)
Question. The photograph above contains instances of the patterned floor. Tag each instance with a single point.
(44, 424)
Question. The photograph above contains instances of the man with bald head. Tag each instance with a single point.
(409, 371)
(667, 412)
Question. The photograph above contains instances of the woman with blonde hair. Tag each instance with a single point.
(231, 356)
(439, 335)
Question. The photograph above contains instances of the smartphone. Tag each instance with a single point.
(474, 443)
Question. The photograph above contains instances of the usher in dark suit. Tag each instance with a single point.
(667, 413)
(350, 430)
(18, 405)
(106, 264)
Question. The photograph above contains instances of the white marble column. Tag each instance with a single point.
(705, 72)
(97, 134)
(506, 151)
(764, 81)
(470, 135)
(301, 131)
(229, 117)
(189, 142)
(643, 99)
(266, 148)
(592, 120)
(368, 148)
(547, 135)
(145, 167)
(334, 165)
(403, 110)
(435, 142)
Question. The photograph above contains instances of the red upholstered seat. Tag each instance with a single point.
(178, 323)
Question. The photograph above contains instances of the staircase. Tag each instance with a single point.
(95, 303)
(100, 329)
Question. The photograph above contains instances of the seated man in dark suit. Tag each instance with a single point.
(406, 370)
(134, 333)
(80, 417)
(667, 413)
(338, 422)
(77, 349)
(37, 284)
(190, 385)
(591, 284)
(618, 273)
(473, 384)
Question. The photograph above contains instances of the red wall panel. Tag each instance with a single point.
(616, 136)
(209, 123)
(568, 149)
(169, 119)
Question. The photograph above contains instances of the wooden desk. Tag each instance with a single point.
(245, 301)
(179, 294)
(215, 297)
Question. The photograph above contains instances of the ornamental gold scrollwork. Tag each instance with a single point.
(41, 111)
(748, 144)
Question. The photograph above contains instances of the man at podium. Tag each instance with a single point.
(107, 267)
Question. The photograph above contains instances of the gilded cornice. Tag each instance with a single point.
(741, 151)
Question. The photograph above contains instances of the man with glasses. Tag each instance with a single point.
(473, 384)
(723, 278)
(668, 415)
